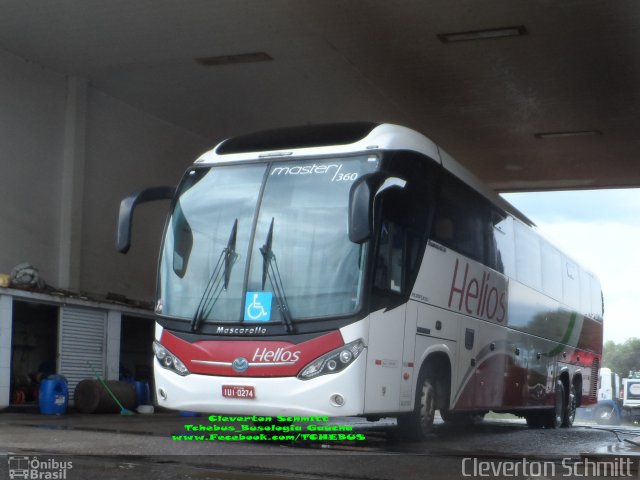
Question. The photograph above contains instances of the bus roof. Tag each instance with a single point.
(341, 138)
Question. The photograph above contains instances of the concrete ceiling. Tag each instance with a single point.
(575, 69)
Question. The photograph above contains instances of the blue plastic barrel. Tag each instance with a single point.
(142, 393)
(54, 396)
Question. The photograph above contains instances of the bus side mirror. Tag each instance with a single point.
(362, 196)
(128, 205)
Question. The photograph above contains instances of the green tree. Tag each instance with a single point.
(622, 357)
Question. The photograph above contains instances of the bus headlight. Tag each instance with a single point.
(333, 362)
(168, 360)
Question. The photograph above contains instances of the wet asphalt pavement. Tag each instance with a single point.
(169, 446)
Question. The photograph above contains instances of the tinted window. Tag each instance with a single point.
(404, 220)
(463, 221)
(528, 257)
(503, 237)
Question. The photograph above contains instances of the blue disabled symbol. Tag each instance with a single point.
(257, 307)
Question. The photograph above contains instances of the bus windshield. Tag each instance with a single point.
(249, 243)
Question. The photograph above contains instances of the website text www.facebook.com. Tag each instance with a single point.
(256, 428)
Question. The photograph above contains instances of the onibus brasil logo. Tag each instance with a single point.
(28, 467)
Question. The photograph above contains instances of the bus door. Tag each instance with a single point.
(400, 242)
(387, 321)
(385, 360)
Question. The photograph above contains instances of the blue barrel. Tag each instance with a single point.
(54, 396)
(142, 393)
(187, 413)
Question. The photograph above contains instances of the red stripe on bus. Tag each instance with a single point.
(265, 358)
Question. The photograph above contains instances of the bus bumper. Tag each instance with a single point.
(285, 396)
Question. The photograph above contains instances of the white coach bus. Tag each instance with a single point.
(358, 270)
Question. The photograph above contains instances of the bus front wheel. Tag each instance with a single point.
(419, 424)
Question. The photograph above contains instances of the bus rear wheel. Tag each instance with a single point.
(555, 417)
(550, 418)
(419, 424)
(570, 411)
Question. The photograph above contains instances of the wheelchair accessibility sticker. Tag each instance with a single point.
(257, 307)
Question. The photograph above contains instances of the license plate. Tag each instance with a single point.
(239, 391)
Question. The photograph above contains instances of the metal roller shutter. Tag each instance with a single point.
(82, 341)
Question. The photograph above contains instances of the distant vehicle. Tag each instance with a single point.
(618, 401)
(359, 270)
(631, 397)
(608, 409)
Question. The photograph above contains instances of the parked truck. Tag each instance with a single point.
(618, 400)
(630, 396)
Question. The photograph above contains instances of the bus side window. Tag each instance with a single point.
(404, 219)
(494, 254)
(503, 237)
(463, 221)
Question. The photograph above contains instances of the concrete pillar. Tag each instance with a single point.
(73, 164)
(6, 328)
(114, 327)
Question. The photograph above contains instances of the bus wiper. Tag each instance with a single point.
(219, 280)
(230, 255)
(270, 270)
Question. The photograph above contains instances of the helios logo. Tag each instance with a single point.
(484, 296)
(280, 355)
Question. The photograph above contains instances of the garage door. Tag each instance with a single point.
(82, 341)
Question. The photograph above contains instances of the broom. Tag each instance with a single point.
(123, 411)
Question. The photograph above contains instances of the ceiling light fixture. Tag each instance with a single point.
(233, 59)
(487, 34)
(575, 133)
